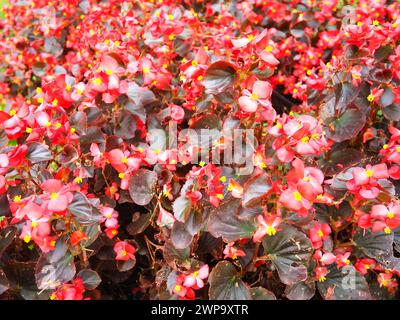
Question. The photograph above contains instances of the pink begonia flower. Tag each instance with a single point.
(57, 196)
(266, 226)
(308, 180)
(320, 273)
(291, 198)
(195, 279)
(110, 217)
(260, 95)
(124, 251)
(232, 252)
(324, 258)
(112, 69)
(370, 174)
(122, 161)
(382, 212)
(318, 233)
(365, 264)
(342, 259)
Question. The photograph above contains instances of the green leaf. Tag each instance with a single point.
(55, 268)
(180, 237)
(91, 278)
(347, 126)
(290, 251)
(182, 208)
(83, 211)
(376, 245)
(178, 259)
(344, 284)
(141, 186)
(38, 152)
(392, 112)
(219, 76)
(125, 126)
(303, 290)
(4, 284)
(260, 293)
(224, 222)
(225, 283)
(255, 189)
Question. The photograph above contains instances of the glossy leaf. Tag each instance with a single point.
(344, 284)
(289, 251)
(224, 222)
(225, 283)
(219, 76)
(141, 186)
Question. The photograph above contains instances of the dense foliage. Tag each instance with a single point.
(96, 204)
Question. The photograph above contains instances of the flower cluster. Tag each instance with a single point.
(207, 150)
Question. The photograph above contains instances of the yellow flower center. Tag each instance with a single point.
(109, 72)
(297, 196)
(390, 214)
(369, 173)
(17, 198)
(124, 160)
(271, 231)
(269, 48)
(254, 96)
(124, 253)
(320, 233)
(34, 224)
(305, 139)
(121, 175)
(27, 238)
(178, 288)
(387, 230)
(322, 279)
(54, 196)
(97, 81)
(55, 102)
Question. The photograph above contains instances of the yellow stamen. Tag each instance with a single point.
(254, 96)
(297, 196)
(271, 231)
(269, 48)
(54, 196)
(387, 230)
